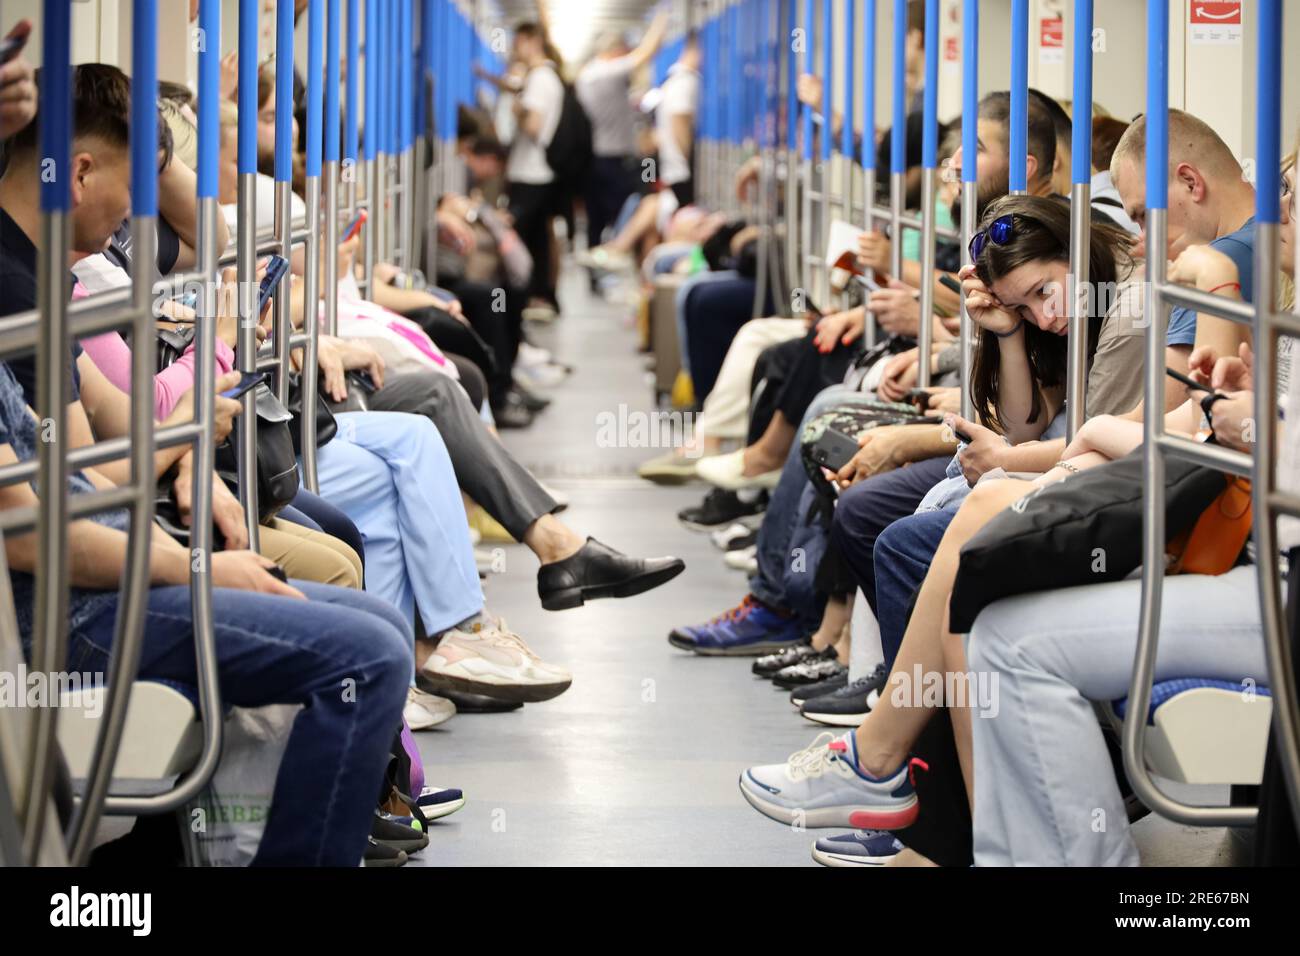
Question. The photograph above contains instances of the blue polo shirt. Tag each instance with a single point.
(1238, 246)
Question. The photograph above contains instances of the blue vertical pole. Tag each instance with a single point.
(372, 81)
(869, 89)
(807, 149)
(1081, 137)
(930, 133)
(850, 105)
(970, 89)
(1018, 139)
(828, 78)
(352, 134)
(248, 16)
(1157, 105)
(315, 71)
(1268, 115)
(792, 69)
(283, 94)
(333, 115)
(209, 127)
(144, 108)
(55, 111)
(898, 137)
(406, 102)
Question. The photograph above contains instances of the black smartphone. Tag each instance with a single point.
(949, 283)
(277, 267)
(278, 572)
(250, 381)
(920, 397)
(10, 47)
(1187, 380)
(962, 436)
(833, 450)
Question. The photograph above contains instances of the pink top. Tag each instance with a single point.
(112, 356)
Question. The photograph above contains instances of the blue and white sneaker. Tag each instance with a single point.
(435, 802)
(859, 848)
(749, 629)
(823, 786)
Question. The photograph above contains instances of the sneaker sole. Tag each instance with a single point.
(406, 846)
(826, 858)
(399, 860)
(510, 693)
(836, 720)
(439, 810)
(852, 818)
(567, 598)
(748, 650)
(749, 521)
(794, 683)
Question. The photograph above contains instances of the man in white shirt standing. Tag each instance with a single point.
(675, 121)
(533, 202)
(604, 88)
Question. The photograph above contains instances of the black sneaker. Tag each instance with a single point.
(388, 832)
(806, 693)
(848, 706)
(769, 664)
(379, 855)
(811, 671)
(720, 508)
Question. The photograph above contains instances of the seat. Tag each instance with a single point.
(1204, 731)
(161, 739)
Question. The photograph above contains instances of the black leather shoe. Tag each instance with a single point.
(512, 412)
(532, 401)
(598, 571)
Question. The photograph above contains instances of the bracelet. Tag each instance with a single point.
(1007, 335)
(1067, 466)
(1224, 285)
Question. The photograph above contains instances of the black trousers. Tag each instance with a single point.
(484, 469)
(1276, 839)
(496, 314)
(613, 179)
(788, 376)
(533, 207)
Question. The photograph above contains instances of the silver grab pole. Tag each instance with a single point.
(969, 189)
(51, 573)
(308, 389)
(929, 182)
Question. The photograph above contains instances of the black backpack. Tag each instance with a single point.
(570, 153)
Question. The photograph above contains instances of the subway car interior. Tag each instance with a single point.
(628, 308)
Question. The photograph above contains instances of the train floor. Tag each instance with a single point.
(637, 764)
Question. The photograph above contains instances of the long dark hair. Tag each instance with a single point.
(1041, 231)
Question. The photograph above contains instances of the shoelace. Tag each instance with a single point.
(816, 757)
(737, 613)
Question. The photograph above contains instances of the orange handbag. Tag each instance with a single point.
(1214, 544)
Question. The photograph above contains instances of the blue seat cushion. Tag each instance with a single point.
(1164, 691)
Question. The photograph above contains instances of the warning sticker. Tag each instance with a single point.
(1051, 40)
(1214, 22)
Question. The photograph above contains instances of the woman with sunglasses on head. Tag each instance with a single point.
(1016, 293)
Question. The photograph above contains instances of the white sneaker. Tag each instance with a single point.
(723, 537)
(423, 710)
(541, 376)
(540, 313)
(745, 559)
(533, 355)
(484, 657)
(822, 786)
(728, 471)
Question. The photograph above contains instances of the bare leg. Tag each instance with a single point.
(834, 620)
(769, 452)
(908, 857)
(886, 735)
(641, 223)
(551, 539)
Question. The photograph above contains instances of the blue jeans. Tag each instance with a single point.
(903, 554)
(869, 507)
(342, 654)
(783, 515)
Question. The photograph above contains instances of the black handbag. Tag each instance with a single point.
(326, 426)
(277, 461)
(1086, 529)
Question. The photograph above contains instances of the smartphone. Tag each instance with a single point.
(442, 295)
(10, 47)
(949, 283)
(962, 436)
(833, 450)
(354, 226)
(1187, 380)
(250, 381)
(277, 267)
(920, 397)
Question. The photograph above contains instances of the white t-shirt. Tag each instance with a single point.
(543, 94)
(680, 96)
(265, 205)
(604, 90)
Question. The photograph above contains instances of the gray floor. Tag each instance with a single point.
(637, 763)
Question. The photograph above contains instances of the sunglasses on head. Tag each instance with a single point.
(998, 233)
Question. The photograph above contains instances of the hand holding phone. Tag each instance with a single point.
(277, 267)
(354, 227)
(833, 450)
(250, 381)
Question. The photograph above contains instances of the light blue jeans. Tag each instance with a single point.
(390, 473)
(1045, 790)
